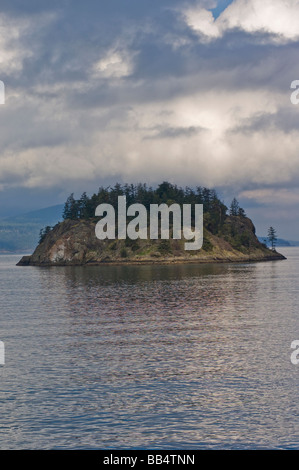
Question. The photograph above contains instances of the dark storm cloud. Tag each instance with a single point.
(173, 132)
(104, 90)
(286, 120)
(79, 35)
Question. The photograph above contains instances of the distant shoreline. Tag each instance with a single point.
(21, 252)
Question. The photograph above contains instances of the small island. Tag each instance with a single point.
(228, 235)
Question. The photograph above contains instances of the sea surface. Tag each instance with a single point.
(150, 357)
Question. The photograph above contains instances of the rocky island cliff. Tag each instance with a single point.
(228, 235)
(73, 242)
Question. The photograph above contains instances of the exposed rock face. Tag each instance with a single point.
(73, 242)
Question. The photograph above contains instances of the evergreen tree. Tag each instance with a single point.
(43, 232)
(272, 237)
(84, 207)
(214, 210)
(234, 207)
(71, 208)
(241, 212)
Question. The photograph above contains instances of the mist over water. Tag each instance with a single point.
(149, 357)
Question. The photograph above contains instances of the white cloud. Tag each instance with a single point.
(202, 21)
(11, 54)
(277, 18)
(185, 127)
(12, 31)
(115, 64)
(50, 147)
(281, 196)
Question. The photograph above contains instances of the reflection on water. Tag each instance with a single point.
(175, 357)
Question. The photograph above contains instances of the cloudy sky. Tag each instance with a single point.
(193, 92)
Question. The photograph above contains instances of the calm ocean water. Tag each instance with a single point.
(149, 357)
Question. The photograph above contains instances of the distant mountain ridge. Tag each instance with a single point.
(280, 242)
(21, 233)
(51, 213)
